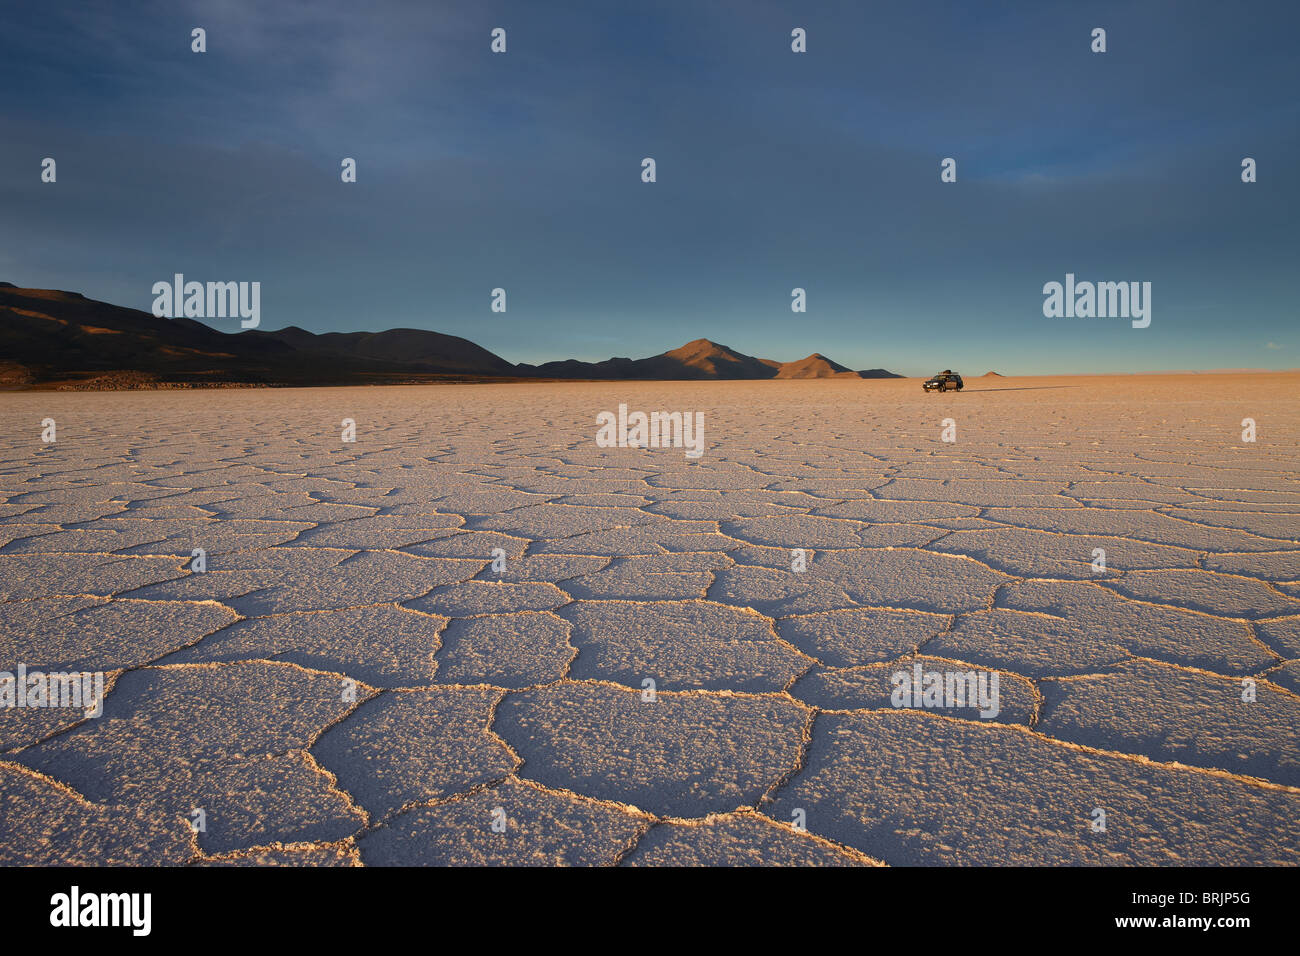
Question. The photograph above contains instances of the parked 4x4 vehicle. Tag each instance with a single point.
(945, 381)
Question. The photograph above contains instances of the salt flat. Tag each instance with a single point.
(352, 681)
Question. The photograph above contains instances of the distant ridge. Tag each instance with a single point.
(700, 359)
(64, 340)
(814, 366)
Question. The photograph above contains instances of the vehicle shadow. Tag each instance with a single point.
(1022, 388)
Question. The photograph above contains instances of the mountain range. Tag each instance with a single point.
(64, 340)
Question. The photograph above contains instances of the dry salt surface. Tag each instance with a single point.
(515, 696)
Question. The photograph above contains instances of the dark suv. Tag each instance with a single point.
(945, 381)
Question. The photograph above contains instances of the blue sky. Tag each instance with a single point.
(775, 170)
